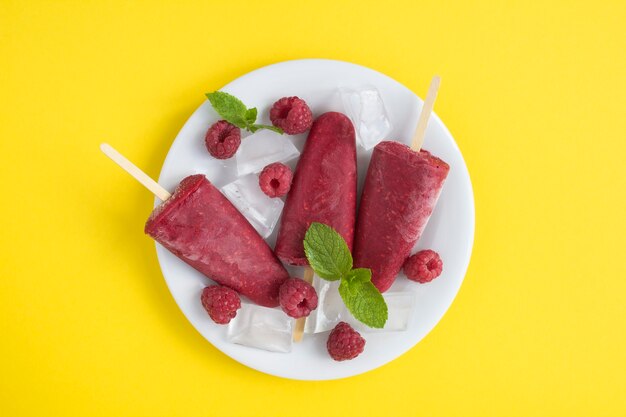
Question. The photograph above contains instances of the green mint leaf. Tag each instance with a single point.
(250, 116)
(229, 107)
(360, 274)
(363, 300)
(327, 252)
(268, 127)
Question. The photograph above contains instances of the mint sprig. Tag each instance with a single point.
(363, 299)
(231, 109)
(327, 252)
(330, 258)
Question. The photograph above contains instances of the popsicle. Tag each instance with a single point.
(401, 189)
(323, 188)
(201, 227)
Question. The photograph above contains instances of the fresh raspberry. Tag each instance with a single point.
(297, 298)
(292, 115)
(275, 179)
(222, 139)
(344, 343)
(221, 303)
(424, 266)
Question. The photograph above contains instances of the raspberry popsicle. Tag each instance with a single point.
(323, 188)
(200, 226)
(400, 192)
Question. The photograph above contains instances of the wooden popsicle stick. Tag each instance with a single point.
(135, 172)
(427, 109)
(298, 330)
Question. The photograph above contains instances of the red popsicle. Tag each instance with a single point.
(200, 226)
(400, 192)
(323, 188)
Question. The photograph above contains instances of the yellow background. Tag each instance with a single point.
(534, 93)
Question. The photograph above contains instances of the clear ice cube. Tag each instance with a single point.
(400, 309)
(261, 211)
(366, 109)
(331, 310)
(263, 148)
(262, 328)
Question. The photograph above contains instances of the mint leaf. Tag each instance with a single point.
(268, 127)
(330, 258)
(250, 116)
(360, 274)
(327, 252)
(363, 299)
(230, 108)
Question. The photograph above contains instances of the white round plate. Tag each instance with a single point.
(450, 230)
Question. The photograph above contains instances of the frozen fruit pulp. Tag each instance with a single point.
(323, 188)
(200, 226)
(400, 192)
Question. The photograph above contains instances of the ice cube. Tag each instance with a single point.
(261, 211)
(366, 109)
(261, 328)
(329, 309)
(263, 148)
(400, 309)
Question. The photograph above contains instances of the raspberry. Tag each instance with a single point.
(222, 139)
(344, 343)
(221, 303)
(297, 298)
(424, 266)
(292, 115)
(275, 179)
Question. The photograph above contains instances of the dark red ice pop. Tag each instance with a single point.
(200, 226)
(400, 192)
(323, 188)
